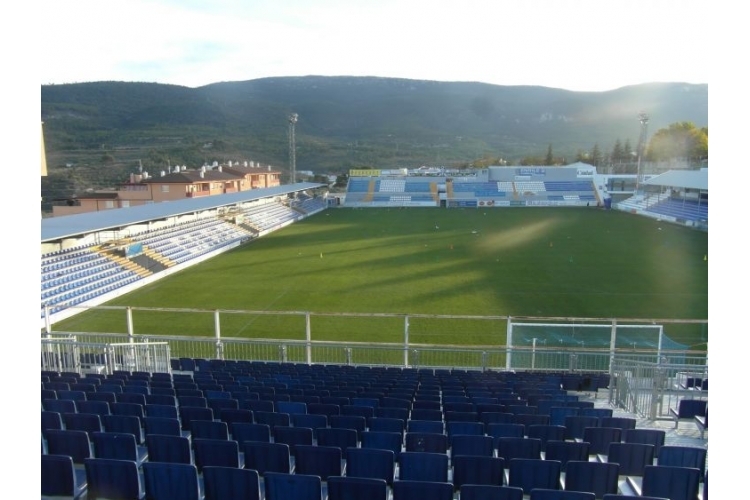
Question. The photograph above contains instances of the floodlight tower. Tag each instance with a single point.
(643, 118)
(292, 148)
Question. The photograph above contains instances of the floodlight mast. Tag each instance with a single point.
(643, 118)
(292, 148)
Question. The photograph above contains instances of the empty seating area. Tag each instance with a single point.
(375, 191)
(73, 277)
(401, 191)
(77, 275)
(245, 429)
(681, 209)
(194, 239)
(568, 192)
(271, 216)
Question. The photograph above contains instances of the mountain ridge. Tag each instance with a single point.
(103, 129)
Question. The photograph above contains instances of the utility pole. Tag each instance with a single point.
(643, 118)
(292, 148)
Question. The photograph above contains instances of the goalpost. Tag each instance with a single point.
(539, 345)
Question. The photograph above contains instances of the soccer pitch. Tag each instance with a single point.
(542, 262)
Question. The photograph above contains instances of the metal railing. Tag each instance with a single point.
(398, 354)
(651, 389)
(646, 383)
(71, 354)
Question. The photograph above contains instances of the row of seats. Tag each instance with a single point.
(362, 439)
(326, 464)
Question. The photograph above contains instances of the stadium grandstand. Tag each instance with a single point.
(678, 196)
(93, 257)
(139, 416)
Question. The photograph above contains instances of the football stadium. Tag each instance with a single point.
(514, 333)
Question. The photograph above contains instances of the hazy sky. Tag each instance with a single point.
(570, 44)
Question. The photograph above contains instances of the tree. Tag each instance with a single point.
(617, 152)
(596, 156)
(549, 159)
(681, 140)
(341, 180)
(627, 150)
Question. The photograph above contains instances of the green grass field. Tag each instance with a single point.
(585, 263)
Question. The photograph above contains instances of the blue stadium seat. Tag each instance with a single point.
(160, 425)
(221, 483)
(422, 490)
(655, 437)
(529, 474)
(292, 486)
(624, 423)
(108, 478)
(494, 417)
(60, 406)
(687, 409)
(426, 442)
(51, 420)
(545, 494)
(632, 457)
(124, 423)
(339, 437)
(490, 492)
(575, 424)
(674, 483)
(466, 428)
(171, 481)
(387, 425)
(600, 437)
(291, 407)
(631, 497)
(219, 405)
(596, 477)
(100, 408)
(371, 463)
(356, 422)
(474, 469)
(127, 409)
(190, 413)
(208, 429)
(171, 449)
(216, 452)
(75, 444)
(118, 446)
(510, 448)
(272, 418)
(683, 456)
(427, 414)
(467, 444)
(87, 422)
(267, 457)
(243, 431)
(392, 441)
(60, 478)
(320, 460)
(356, 488)
(546, 433)
(293, 436)
(558, 414)
(423, 466)
(310, 421)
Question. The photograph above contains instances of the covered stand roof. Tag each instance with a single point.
(67, 226)
(688, 179)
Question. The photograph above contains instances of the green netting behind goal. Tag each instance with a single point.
(591, 335)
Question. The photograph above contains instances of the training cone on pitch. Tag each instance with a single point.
(705, 258)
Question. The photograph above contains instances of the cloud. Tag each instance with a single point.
(584, 44)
